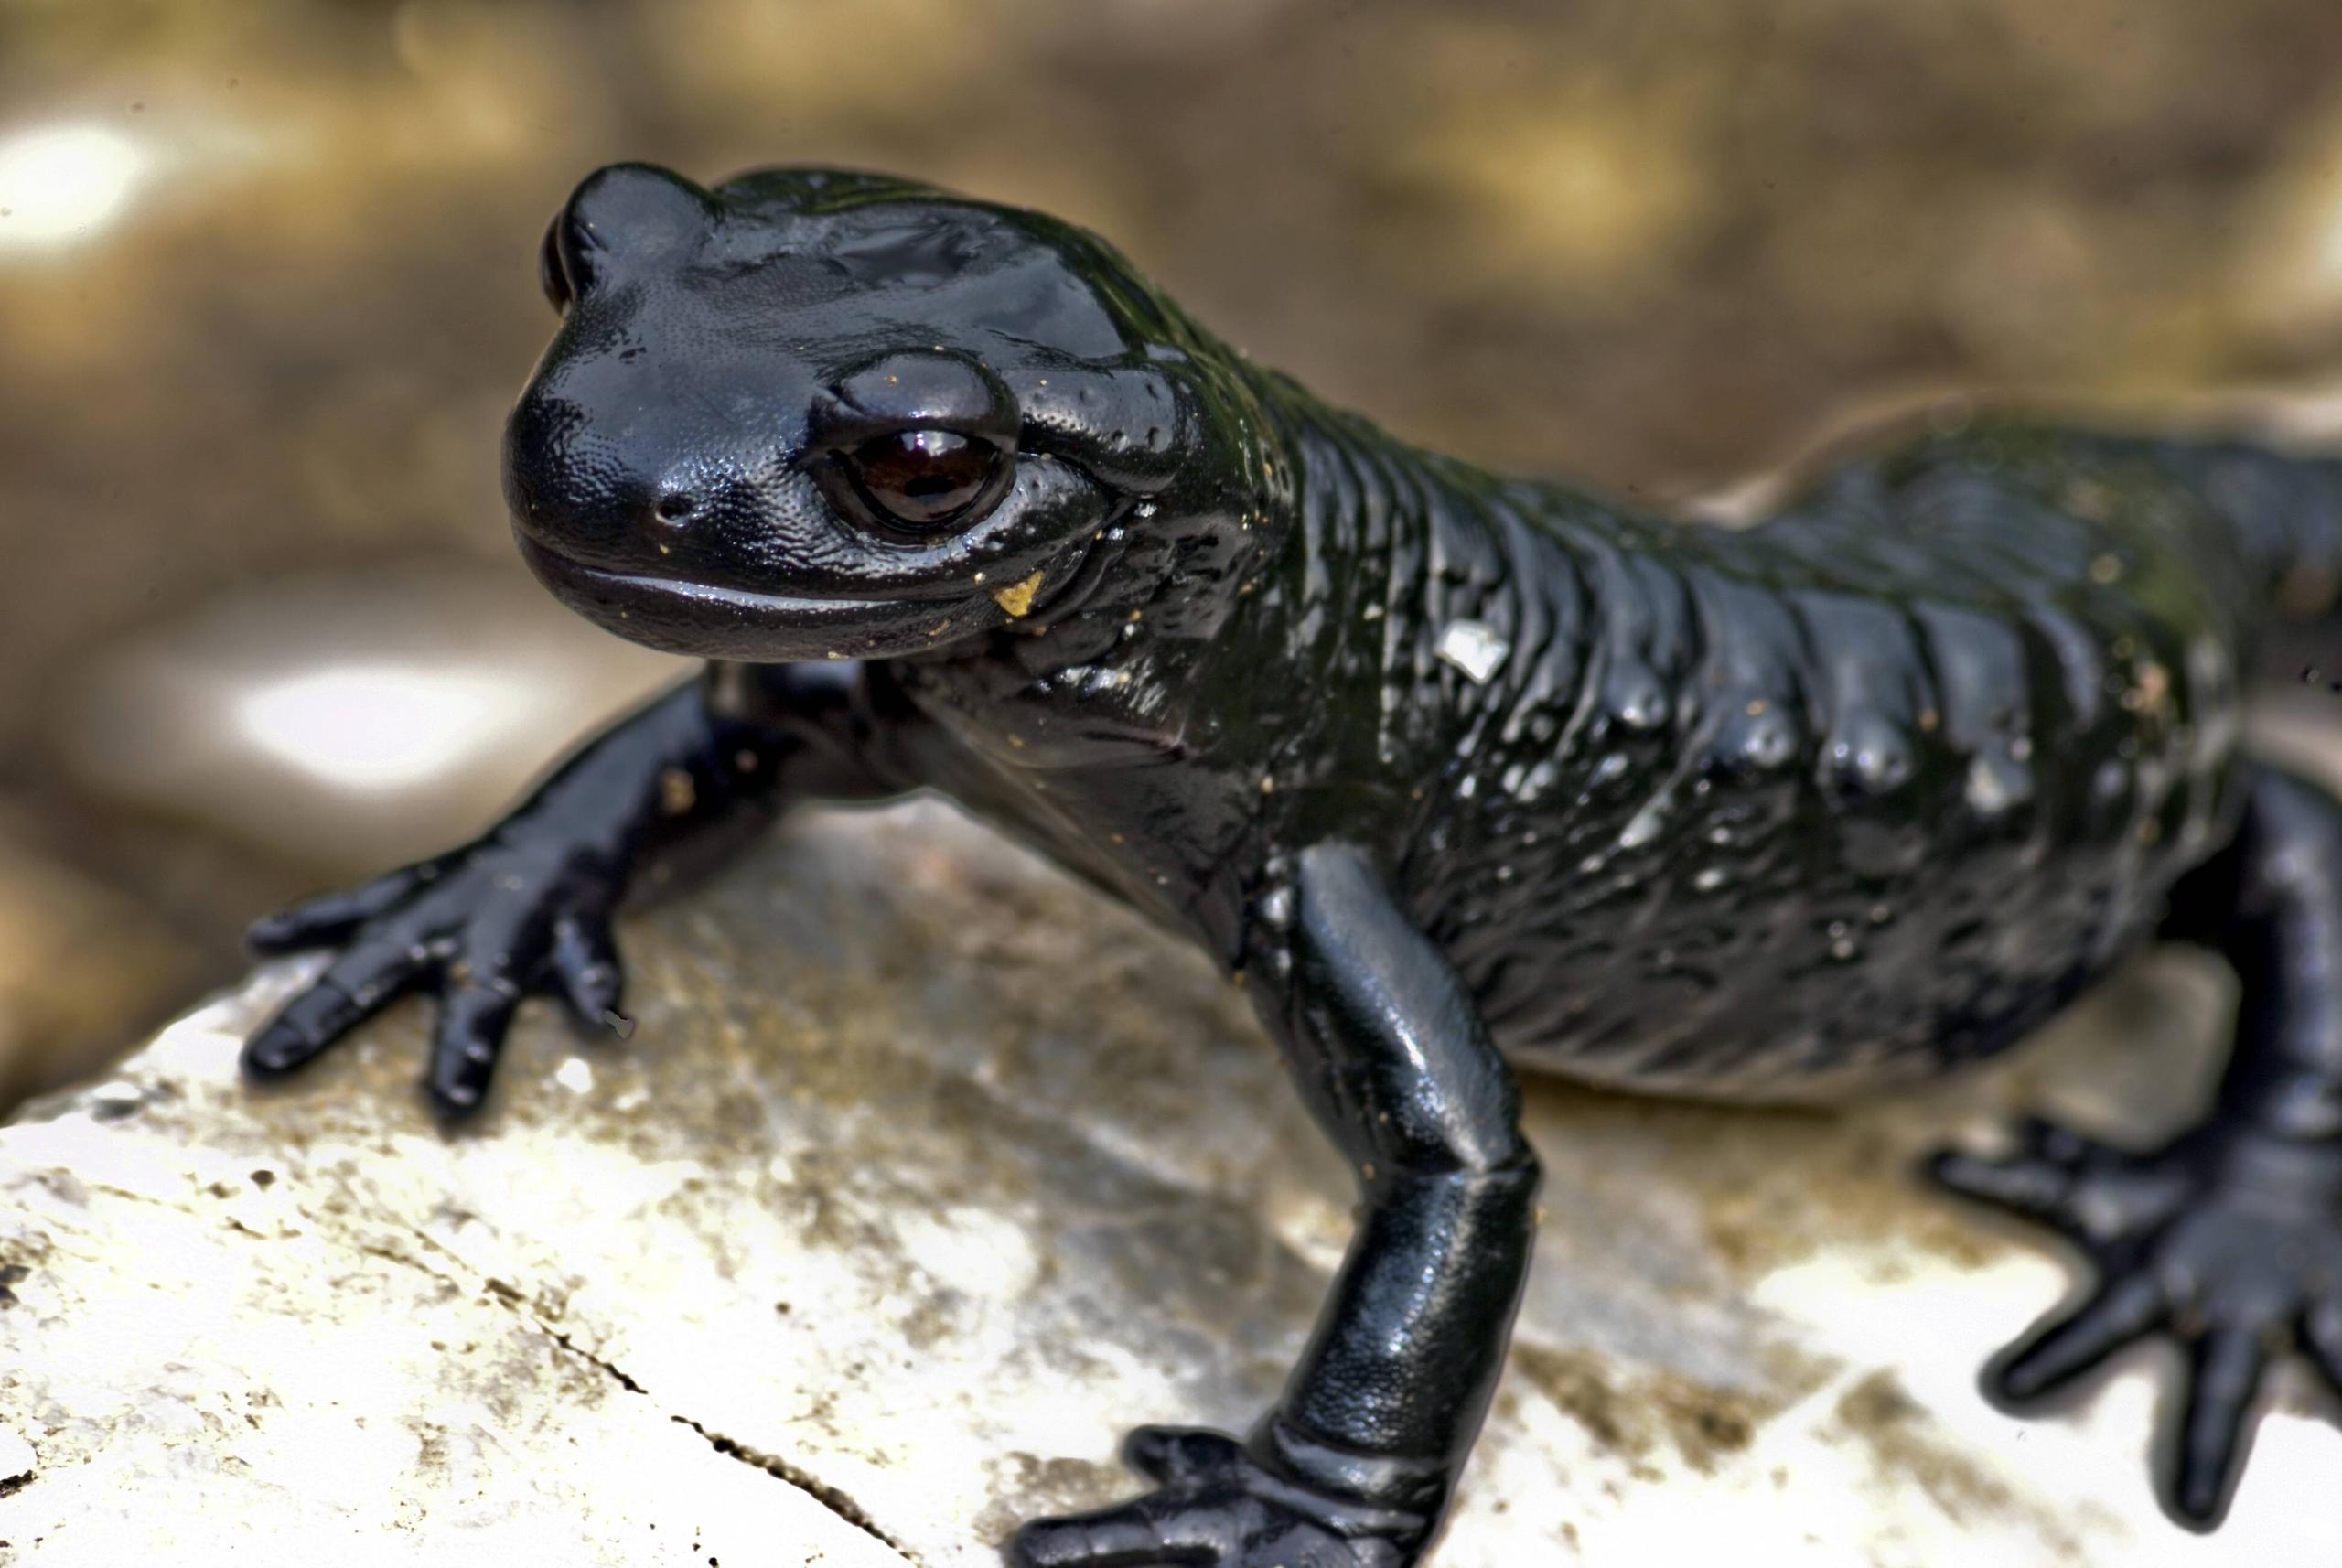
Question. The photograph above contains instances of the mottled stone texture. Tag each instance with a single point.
(923, 1177)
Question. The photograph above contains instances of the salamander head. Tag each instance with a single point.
(808, 414)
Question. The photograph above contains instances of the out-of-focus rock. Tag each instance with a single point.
(924, 1175)
(354, 718)
(79, 965)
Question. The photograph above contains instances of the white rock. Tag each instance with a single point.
(18, 1460)
(924, 1176)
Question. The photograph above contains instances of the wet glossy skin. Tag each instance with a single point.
(1442, 764)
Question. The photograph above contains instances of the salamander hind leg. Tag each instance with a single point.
(2229, 1238)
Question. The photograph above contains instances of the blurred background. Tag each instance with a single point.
(267, 283)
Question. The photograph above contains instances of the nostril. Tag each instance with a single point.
(676, 506)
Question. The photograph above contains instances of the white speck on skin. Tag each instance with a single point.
(1988, 793)
(1474, 648)
(1642, 827)
(575, 1075)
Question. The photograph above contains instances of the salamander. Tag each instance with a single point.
(1457, 773)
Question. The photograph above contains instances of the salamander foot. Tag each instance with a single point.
(2228, 1240)
(480, 929)
(1215, 1506)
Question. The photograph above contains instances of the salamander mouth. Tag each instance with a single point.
(706, 621)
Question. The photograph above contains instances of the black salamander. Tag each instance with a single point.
(1456, 771)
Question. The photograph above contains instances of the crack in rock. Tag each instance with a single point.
(515, 1301)
(821, 1491)
(831, 1497)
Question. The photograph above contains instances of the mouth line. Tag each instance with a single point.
(784, 609)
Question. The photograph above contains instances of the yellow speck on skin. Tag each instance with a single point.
(1019, 597)
(1135, 614)
(1268, 785)
(1757, 707)
(834, 653)
(1016, 741)
(942, 626)
(1930, 719)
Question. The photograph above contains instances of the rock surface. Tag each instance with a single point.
(924, 1176)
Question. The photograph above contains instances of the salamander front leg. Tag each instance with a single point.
(2229, 1238)
(1354, 1466)
(526, 907)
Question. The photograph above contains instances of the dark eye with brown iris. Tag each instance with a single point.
(922, 478)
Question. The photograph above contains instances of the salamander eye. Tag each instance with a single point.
(923, 478)
(551, 276)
